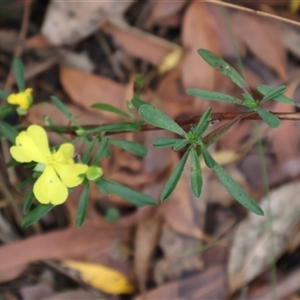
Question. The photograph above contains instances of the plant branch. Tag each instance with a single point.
(183, 122)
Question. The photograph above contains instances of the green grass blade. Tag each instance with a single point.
(269, 118)
(196, 174)
(132, 147)
(110, 108)
(222, 66)
(174, 178)
(215, 96)
(157, 118)
(18, 69)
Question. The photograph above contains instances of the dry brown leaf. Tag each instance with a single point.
(68, 22)
(74, 295)
(285, 138)
(183, 212)
(209, 284)
(91, 243)
(250, 252)
(199, 31)
(167, 13)
(86, 89)
(37, 291)
(179, 256)
(145, 242)
(262, 37)
(37, 41)
(139, 43)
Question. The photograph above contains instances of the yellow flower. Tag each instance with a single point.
(60, 172)
(22, 99)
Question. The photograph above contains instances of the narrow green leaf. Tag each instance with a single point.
(25, 182)
(3, 95)
(110, 108)
(137, 102)
(157, 118)
(180, 144)
(164, 142)
(196, 174)
(236, 191)
(117, 127)
(6, 110)
(208, 159)
(101, 150)
(132, 147)
(174, 178)
(203, 123)
(36, 214)
(102, 187)
(269, 118)
(275, 94)
(222, 66)
(215, 96)
(9, 132)
(28, 201)
(18, 69)
(87, 155)
(64, 109)
(128, 194)
(83, 205)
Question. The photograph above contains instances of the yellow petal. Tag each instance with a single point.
(18, 154)
(23, 99)
(66, 151)
(68, 173)
(49, 188)
(26, 150)
(40, 138)
(103, 278)
(12, 98)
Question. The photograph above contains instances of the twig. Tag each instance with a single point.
(257, 12)
(215, 118)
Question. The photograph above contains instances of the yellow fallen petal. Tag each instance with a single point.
(66, 151)
(49, 188)
(40, 138)
(27, 150)
(103, 278)
(68, 173)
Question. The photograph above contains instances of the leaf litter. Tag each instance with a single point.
(164, 235)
